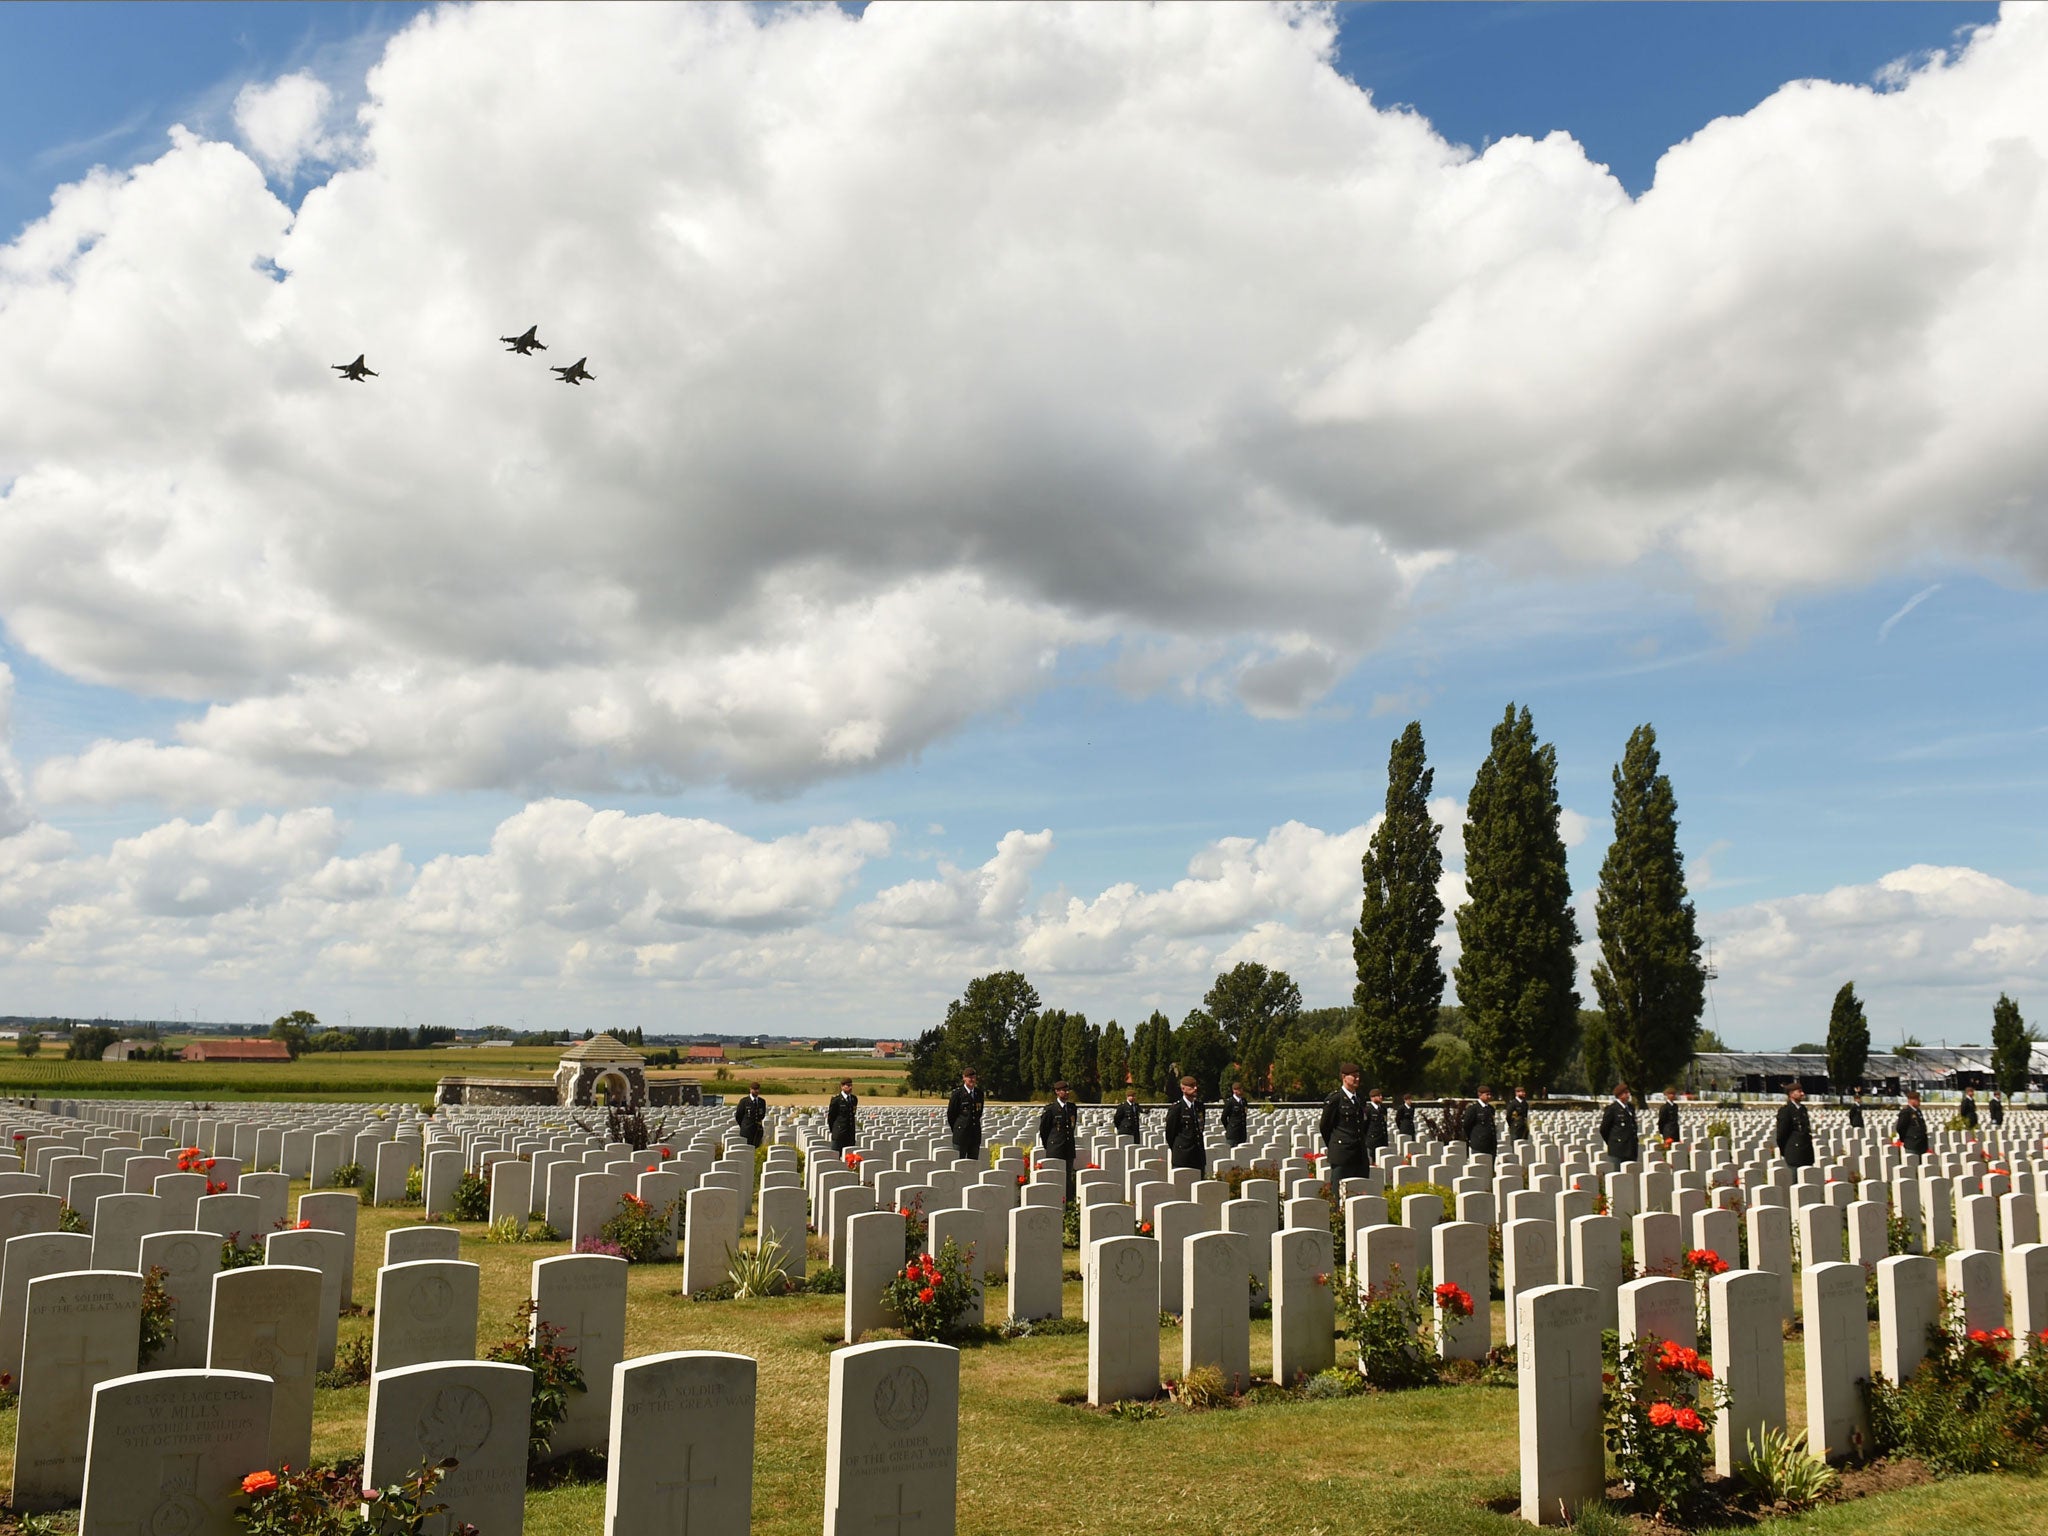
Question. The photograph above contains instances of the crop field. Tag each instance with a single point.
(407, 1076)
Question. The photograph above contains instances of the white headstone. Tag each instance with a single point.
(266, 1321)
(1123, 1323)
(584, 1295)
(682, 1445)
(1559, 1396)
(892, 1448)
(83, 1327)
(167, 1452)
(476, 1412)
(426, 1312)
(1837, 1348)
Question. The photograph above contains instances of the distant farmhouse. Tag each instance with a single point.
(235, 1050)
(705, 1053)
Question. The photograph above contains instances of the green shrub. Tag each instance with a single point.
(69, 1220)
(758, 1273)
(1401, 1194)
(638, 1230)
(1386, 1324)
(349, 1176)
(236, 1254)
(556, 1374)
(1659, 1416)
(351, 1364)
(1970, 1407)
(472, 1199)
(1782, 1471)
(159, 1316)
(825, 1280)
(327, 1501)
(930, 1292)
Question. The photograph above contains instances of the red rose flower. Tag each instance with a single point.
(1661, 1415)
(257, 1484)
(925, 1295)
(1686, 1419)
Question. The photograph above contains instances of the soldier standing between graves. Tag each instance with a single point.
(1404, 1115)
(1996, 1106)
(1856, 1109)
(1344, 1129)
(1618, 1130)
(749, 1113)
(839, 1116)
(1667, 1117)
(1481, 1133)
(1184, 1144)
(1518, 1115)
(963, 1116)
(1130, 1119)
(1056, 1129)
(1795, 1131)
(1375, 1124)
(1236, 1116)
(1968, 1109)
(1910, 1128)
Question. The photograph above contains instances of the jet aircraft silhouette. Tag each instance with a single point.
(356, 371)
(525, 345)
(575, 373)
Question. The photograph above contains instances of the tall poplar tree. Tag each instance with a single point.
(1400, 969)
(1516, 973)
(2012, 1047)
(1113, 1060)
(1848, 1039)
(1652, 986)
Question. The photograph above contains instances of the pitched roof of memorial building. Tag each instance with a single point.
(601, 1048)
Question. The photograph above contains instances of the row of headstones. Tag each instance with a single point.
(1558, 1330)
(169, 1451)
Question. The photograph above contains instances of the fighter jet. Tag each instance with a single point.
(525, 345)
(356, 371)
(575, 373)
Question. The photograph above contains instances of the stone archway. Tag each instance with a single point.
(612, 1087)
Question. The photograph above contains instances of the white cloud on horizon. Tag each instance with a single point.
(675, 922)
(934, 345)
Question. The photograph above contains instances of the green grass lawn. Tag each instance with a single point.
(1421, 1462)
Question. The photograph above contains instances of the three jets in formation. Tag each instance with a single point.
(525, 345)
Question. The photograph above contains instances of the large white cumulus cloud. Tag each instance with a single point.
(934, 343)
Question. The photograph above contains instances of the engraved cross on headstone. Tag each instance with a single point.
(79, 1363)
(681, 1492)
(902, 1515)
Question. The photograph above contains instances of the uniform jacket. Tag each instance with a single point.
(963, 1113)
(1795, 1135)
(1129, 1120)
(1344, 1127)
(1855, 1116)
(1518, 1119)
(839, 1119)
(1404, 1119)
(1375, 1127)
(1056, 1130)
(1236, 1115)
(1968, 1110)
(1619, 1132)
(1667, 1120)
(748, 1115)
(1911, 1129)
(1184, 1125)
(1481, 1133)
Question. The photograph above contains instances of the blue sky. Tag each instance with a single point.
(1856, 704)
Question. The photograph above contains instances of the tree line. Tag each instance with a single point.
(1519, 1018)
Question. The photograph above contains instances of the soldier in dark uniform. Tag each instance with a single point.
(1236, 1117)
(1343, 1129)
(1056, 1123)
(1404, 1115)
(1856, 1109)
(839, 1116)
(1185, 1147)
(1130, 1119)
(749, 1113)
(1668, 1126)
(1795, 1130)
(1518, 1115)
(1376, 1139)
(1481, 1133)
(1996, 1108)
(963, 1116)
(1619, 1132)
(1911, 1126)
(1968, 1109)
